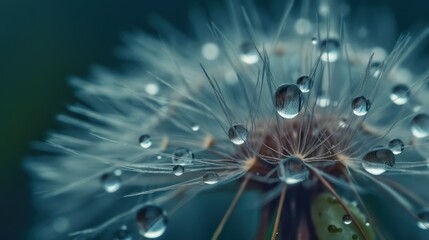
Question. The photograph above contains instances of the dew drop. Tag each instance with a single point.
(305, 83)
(152, 89)
(330, 49)
(210, 178)
(377, 160)
(237, 134)
(323, 100)
(400, 94)
(347, 219)
(152, 221)
(375, 69)
(195, 127)
(178, 170)
(292, 171)
(314, 41)
(288, 100)
(361, 106)
(334, 229)
(420, 126)
(396, 146)
(355, 236)
(122, 234)
(111, 182)
(249, 55)
(302, 26)
(182, 156)
(145, 141)
(423, 222)
(210, 51)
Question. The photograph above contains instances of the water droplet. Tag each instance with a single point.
(355, 236)
(375, 69)
(314, 40)
(360, 106)
(367, 223)
(152, 221)
(288, 100)
(152, 89)
(292, 171)
(330, 49)
(333, 229)
(111, 182)
(178, 170)
(210, 51)
(122, 234)
(305, 83)
(420, 126)
(323, 100)
(249, 55)
(400, 94)
(347, 219)
(237, 134)
(210, 178)
(396, 146)
(302, 26)
(182, 156)
(377, 160)
(195, 127)
(423, 222)
(145, 141)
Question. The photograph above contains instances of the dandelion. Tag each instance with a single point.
(303, 108)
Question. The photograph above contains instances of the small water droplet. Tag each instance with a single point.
(305, 83)
(122, 234)
(420, 126)
(355, 236)
(314, 40)
(159, 157)
(145, 141)
(360, 106)
(302, 26)
(375, 69)
(330, 49)
(396, 146)
(400, 94)
(288, 100)
(323, 100)
(292, 171)
(334, 229)
(347, 219)
(178, 170)
(195, 127)
(111, 182)
(367, 223)
(152, 221)
(249, 54)
(423, 222)
(377, 160)
(210, 51)
(237, 134)
(210, 178)
(182, 156)
(152, 89)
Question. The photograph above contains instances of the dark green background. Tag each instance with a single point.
(42, 42)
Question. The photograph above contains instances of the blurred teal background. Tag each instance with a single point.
(43, 42)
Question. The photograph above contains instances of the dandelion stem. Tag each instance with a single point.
(278, 214)
(231, 207)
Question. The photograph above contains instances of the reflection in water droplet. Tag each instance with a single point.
(292, 171)
(420, 126)
(314, 40)
(376, 161)
(347, 219)
(360, 106)
(178, 170)
(396, 146)
(195, 127)
(288, 100)
(249, 54)
(237, 134)
(145, 141)
(111, 182)
(423, 222)
(305, 83)
(210, 178)
(183, 156)
(400, 94)
(330, 49)
(152, 221)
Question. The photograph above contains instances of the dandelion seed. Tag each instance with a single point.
(301, 108)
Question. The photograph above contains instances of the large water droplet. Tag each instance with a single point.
(292, 171)
(210, 178)
(360, 106)
(145, 141)
(376, 161)
(122, 234)
(347, 219)
(111, 182)
(249, 54)
(182, 156)
(237, 134)
(330, 49)
(178, 170)
(396, 146)
(288, 100)
(305, 83)
(423, 222)
(400, 94)
(152, 221)
(420, 126)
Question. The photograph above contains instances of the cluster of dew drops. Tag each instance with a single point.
(289, 100)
